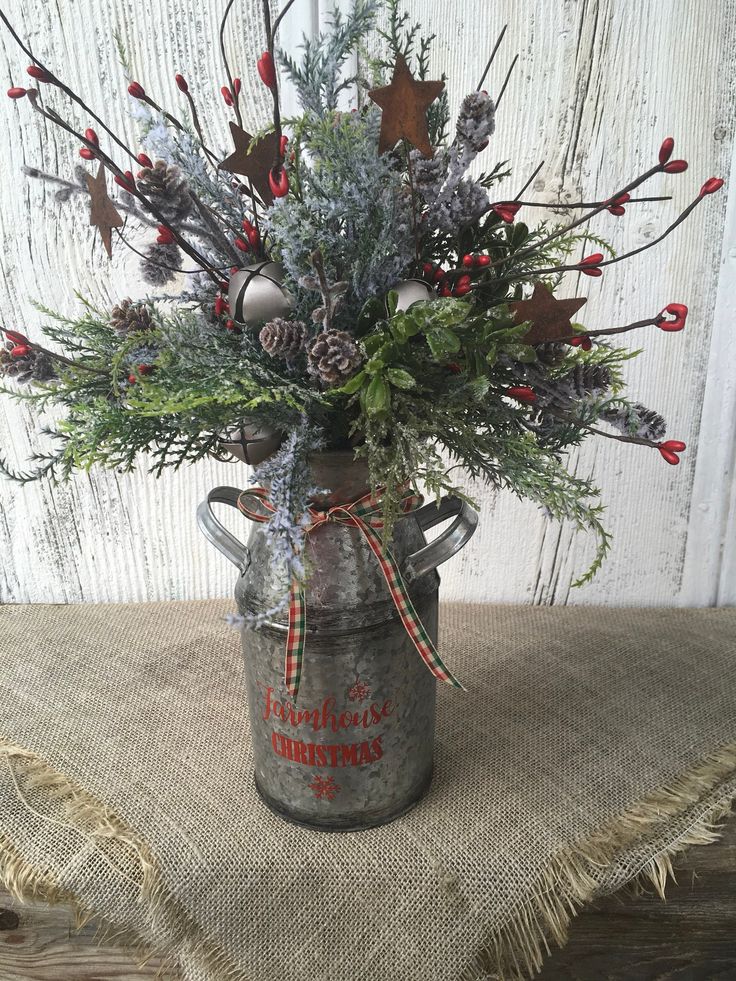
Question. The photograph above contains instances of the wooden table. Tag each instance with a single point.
(691, 937)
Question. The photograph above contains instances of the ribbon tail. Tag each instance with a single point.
(405, 608)
(295, 639)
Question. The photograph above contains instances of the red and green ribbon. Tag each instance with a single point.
(366, 515)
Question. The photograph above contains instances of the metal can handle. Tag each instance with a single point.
(449, 542)
(216, 533)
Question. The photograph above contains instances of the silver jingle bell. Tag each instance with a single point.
(256, 294)
(411, 291)
(251, 443)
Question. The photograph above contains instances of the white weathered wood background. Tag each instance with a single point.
(598, 85)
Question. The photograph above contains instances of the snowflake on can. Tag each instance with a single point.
(325, 788)
(359, 691)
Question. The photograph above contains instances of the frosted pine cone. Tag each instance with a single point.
(333, 357)
(552, 354)
(636, 420)
(33, 366)
(162, 263)
(587, 379)
(476, 120)
(167, 190)
(283, 338)
(130, 318)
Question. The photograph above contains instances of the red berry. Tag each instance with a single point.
(283, 142)
(617, 210)
(144, 160)
(87, 154)
(482, 260)
(254, 239)
(234, 269)
(237, 86)
(230, 325)
(136, 90)
(468, 260)
(584, 343)
(241, 244)
(227, 95)
(712, 185)
(14, 336)
(522, 393)
(221, 306)
(17, 92)
(463, 280)
(278, 181)
(675, 167)
(91, 136)
(182, 83)
(267, 69)
(439, 274)
(428, 269)
(145, 369)
(506, 211)
(127, 182)
(462, 290)
(665, 151)
(19, 350)
(679, 311)
(132, 379)
(676, 445)
(39, 74)
(445, 291)
(165, 235)
(669, 456)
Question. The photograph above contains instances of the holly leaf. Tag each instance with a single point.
(377, 396)
(400, 378)
(442, 341)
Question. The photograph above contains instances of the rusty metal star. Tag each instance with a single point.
(253, 159)
(550, 318)
(103, 215)
(404, 103)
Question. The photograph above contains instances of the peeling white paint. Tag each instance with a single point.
(598, 85)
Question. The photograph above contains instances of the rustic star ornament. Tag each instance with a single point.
(405, 102)
(256, 163)
(550, 318)
(103, 215)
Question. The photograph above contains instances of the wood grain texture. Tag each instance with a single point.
(598, 85)
(690, 937)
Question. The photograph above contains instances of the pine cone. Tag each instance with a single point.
(333, 357)
(130, 318)
(552, 354)
(167, 190)
(588, 379)
(34, 366)
(637, 420)
(283, 338)
(162, 263)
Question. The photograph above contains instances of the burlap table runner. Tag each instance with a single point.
(592, 745)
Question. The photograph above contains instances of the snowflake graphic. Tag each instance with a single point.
(359, 692)
(325, 788)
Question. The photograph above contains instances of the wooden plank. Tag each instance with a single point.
(599, 83)
(39, 943)
(690, 937)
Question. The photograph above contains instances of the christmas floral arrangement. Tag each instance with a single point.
(352, 278)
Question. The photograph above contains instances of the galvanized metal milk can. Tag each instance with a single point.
(356, 748)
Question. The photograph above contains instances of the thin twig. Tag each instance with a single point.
(506, 81)
(236, 99)
(277, 22)
(528, 183)
(490, 60)
(576, 267)
(561, 232)
(275, 89)
(560, 205)
(155, 262)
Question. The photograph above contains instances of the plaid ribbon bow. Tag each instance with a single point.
(365, 514)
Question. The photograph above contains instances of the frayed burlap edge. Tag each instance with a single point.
(514, 951)
(98, 823)
(572, 878)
